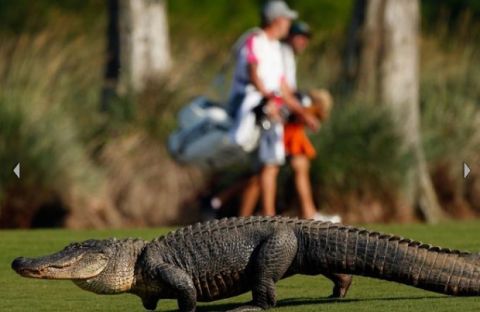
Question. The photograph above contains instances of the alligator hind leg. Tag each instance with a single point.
(341, 283)
(273, 259)
(150, 302)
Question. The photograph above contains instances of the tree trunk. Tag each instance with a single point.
(388, 73)
(371, 36)
(353, 44)
(144, 43)
(112, 65)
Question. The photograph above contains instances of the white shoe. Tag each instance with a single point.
(325, 218)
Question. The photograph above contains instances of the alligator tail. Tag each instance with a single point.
(341, 249)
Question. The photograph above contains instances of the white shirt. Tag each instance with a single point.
(289, 65)
(266, 53)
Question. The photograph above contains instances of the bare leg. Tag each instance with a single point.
(251, 193)
(301, 168)
(268, 182)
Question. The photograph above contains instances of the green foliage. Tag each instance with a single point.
(52, 55)
(450, 108)
(202, 18)
(325, 16)
(299, 293)
(228, 19)
(225, 18)
(48, 97)
(449, 10)
(359, 150)
(22, 16)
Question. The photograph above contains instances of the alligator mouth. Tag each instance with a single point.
(26, 268)
(35, 273)
(40, 272)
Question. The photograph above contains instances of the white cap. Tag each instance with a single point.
(277, 8)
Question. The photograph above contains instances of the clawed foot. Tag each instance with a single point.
(246, 308)
(342, 284)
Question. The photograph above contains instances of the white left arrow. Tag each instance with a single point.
(16, 170)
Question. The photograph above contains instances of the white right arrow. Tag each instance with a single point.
(466, 170)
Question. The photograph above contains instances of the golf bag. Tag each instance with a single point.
(202, 138)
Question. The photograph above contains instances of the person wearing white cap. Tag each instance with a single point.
(259, 74)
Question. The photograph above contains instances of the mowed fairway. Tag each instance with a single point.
(295, 294)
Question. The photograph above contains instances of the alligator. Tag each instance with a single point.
(224, 258)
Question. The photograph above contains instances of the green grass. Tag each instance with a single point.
(295, 294)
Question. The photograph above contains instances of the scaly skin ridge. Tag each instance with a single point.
(413, 263)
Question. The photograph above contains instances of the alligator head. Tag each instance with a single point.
(99, 266)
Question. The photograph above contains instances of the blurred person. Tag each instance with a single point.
(296, 142)
(300, 151)
(298, 146)
(259, 76)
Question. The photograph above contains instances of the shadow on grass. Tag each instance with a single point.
(306, 301)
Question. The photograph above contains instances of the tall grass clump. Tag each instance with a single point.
(360, 160)
(48, 101)
(451, 119)
(450, 105)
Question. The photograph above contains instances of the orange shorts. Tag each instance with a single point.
(297, 142)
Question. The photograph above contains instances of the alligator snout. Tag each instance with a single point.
(19, 263)
(25, 267)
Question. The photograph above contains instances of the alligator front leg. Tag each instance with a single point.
(180, 284)
(273, 259)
